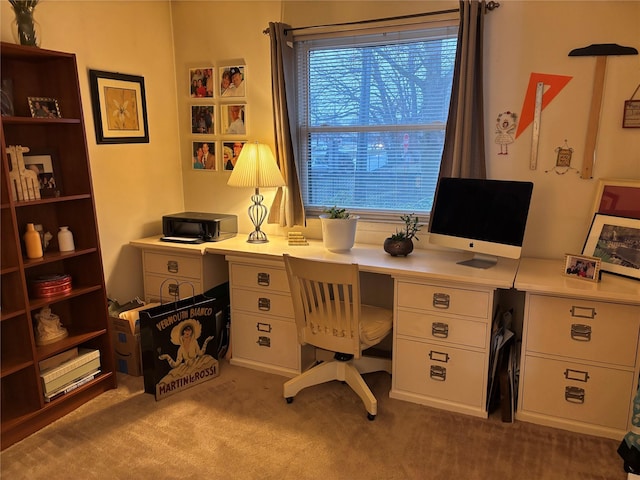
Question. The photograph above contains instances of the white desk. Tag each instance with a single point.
(442, 313)
(580, 364)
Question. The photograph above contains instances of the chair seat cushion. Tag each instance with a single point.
(375, 324)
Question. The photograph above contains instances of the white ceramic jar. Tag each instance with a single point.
(65, 240)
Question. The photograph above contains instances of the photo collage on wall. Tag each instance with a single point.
(218, 111)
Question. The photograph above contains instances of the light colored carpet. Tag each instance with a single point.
(238, 426)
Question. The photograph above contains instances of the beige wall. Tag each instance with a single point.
(136, 184)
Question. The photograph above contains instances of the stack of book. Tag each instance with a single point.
(68, 370)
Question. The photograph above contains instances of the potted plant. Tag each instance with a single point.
(338, 229)
(401, 242)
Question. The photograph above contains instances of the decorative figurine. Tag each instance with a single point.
(505, 127)
(49, 329)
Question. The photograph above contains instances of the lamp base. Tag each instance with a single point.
(257, 236)
(257, 214)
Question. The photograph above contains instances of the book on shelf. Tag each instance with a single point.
(54, 361)
(71, 387)
(67, 372)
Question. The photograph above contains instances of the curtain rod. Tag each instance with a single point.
(490, 6)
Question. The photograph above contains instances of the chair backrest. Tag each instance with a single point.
(326, 302)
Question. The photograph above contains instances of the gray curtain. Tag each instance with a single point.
(463, 154)
(287, 209)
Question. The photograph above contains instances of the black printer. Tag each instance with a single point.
(198, 227)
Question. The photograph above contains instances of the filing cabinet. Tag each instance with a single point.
(579, 364)
(180, 273)
(441, 345)
(263, 329)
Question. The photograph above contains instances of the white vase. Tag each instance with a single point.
(65, 240)
(338, 234)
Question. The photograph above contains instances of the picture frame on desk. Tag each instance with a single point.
(119, 107)
(582, 267)
(44, 162)
(616, 242)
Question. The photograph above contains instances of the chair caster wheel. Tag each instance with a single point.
(289, 399)
(371, 417)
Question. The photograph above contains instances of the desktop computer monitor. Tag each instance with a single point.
(487, 217)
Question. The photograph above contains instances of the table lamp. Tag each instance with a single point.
(256, 167)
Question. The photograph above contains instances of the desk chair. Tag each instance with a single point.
(329, 315)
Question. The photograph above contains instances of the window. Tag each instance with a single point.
(371, 120)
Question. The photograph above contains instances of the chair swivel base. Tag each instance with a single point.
(347, 371)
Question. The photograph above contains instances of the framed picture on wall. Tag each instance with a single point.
(203, 156)
(119, 107)
(233, 81)
(233, 119)
(202, 119)
(230, 153)
(201, 82)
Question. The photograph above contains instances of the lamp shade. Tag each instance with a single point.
(256, 167)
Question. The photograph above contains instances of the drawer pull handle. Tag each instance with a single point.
(172, 266)
(441, 300)
(438, 356)
(440, 329)
(574, 394)
(263, 327)
(583, 312)
(264, 341)
(263, 279)
(437, 372)
(578, 375)
(580, 332)
(174, 289)
(264, 304)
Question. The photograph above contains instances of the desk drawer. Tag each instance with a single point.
(437, 299)
(270, 303)
(583, 329)
(445, 373)
(590, 394)
(264, 339)
(173, 265)
(445, 329)
(156, 290)
(260, 277)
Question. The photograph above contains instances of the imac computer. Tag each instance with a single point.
(487, 217)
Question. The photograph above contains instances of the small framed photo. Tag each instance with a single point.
(201, 81)
(43, 107)
(616, 242)
(119, 107)
(202, 119)
(582, 267)
(233, 119)
(45, 163)
(203, 156)
(230, 153)
(232, 81)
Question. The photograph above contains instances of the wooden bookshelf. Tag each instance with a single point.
(36, 72)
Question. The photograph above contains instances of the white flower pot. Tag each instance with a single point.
(338, 234)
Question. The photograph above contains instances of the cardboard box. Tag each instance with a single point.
(126, 346)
